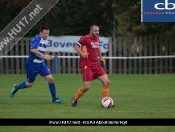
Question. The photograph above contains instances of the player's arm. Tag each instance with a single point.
(33, 49)
(101, 57)
(77, 47)
(51, 57)
(45, 56)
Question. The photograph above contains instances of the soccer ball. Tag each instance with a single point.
(107, 102)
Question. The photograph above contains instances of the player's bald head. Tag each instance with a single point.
(94, 31)
(92, 27)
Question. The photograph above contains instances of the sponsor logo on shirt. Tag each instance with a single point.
(95, 44)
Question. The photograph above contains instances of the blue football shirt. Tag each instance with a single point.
(40, 44)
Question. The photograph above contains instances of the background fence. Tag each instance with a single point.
(142, 48)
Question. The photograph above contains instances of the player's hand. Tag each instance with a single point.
(51, 57)
(48, 57)
(84, 55)
(103, 61)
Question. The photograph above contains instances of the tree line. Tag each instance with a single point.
(74, 17)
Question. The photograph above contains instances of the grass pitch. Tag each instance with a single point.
(135, 96)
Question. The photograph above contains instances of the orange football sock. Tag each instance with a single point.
(78, 94)
(105, 92)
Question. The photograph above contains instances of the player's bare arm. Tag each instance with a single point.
(45, 56)
(101, 57)
(51, 57)
(78, 49)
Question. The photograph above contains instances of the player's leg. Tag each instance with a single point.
(80, 92)
(16, 87)
(45, 72)
(31, 74)
(52, 89)
(87, 77)
(103, 77)
(105, 88)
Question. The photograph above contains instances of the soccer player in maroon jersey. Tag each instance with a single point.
(89, 49)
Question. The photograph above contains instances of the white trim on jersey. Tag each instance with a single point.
(42, 41)
(37, 61)
(79, 44)
(41, 48)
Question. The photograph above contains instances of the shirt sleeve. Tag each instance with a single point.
(35, 43)
(82, 41)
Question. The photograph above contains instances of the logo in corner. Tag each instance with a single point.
(157, 11)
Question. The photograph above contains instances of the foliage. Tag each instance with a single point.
(69, 17)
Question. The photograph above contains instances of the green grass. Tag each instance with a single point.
(135, 96)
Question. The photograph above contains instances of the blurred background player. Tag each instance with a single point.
(89, 49)
(35, 65)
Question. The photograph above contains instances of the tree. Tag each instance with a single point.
(75, 17)
(67, 17)
(9, 9)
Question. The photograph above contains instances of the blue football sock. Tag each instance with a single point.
(52, 90)
(21, 86)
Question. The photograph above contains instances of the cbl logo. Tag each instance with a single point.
(165, 6)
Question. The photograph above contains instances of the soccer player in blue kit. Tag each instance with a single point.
(35, 65)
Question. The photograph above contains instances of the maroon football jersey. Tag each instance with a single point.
(89, 45)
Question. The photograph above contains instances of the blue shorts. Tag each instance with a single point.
(33, 69)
